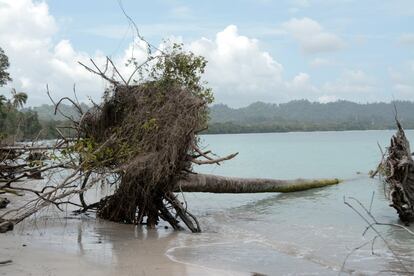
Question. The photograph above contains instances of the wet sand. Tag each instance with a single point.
(55, 243)
(86, 246)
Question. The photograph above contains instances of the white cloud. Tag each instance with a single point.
(301, 3)
(241, 73)
(406, 39)
(181, 12)
(352, 85)
(327, 99)
(25, 26)
(403, 91)
(403, 82)
(321, 62)
(238, 70)
(311, 36)
(26, 35)
(298, 5)
(301, 79)
(301, 87)
(120, 31)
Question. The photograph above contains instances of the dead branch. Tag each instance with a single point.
(214, 161)
(116, 71)
(99, 72)
(57, 109)
(371, 222)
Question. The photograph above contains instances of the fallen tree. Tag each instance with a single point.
(207, 183)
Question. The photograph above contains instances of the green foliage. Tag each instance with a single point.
(46, 112)
(94, 155)
(302, 115)
(17, 124)
(183, 68)
(30, 125)
(4, 65)
(174, 66)
(19, 98)
(149, 125)
(14, 123)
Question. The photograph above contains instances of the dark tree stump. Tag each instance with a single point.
(398, 169)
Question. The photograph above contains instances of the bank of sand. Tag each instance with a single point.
(55, 243)
(89, 246)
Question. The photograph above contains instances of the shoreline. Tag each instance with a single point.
(93, 247)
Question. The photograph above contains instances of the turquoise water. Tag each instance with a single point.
(298, 154)
(309, 232)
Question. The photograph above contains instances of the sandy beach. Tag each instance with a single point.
(52, 242)
(85, 246)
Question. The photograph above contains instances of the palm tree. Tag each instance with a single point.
(19, 98)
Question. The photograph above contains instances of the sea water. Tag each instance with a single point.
(303, 233)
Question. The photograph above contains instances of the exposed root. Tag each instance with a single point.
(154, 128)
(398, 170)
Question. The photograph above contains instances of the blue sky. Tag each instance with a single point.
(274, 51)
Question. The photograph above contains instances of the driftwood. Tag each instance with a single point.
(397, 167)
(6, 262)
(220, 184)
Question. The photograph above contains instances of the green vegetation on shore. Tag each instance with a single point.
(303, 115)
(260, 117)
(256, 118)
(18, 123)
(14, 124)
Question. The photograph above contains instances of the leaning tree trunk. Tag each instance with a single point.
(398, 169)
(221, 184)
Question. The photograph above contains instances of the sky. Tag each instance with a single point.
(257, 50)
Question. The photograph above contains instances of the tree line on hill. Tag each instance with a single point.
(303, 115)
(24, 125)
(299, 115)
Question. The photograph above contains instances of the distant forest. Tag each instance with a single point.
(259, 117)
(303, 115)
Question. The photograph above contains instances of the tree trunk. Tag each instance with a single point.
(220, 184)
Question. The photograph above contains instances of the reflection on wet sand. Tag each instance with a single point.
(85, 246)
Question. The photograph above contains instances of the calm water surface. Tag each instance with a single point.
(309, 232)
